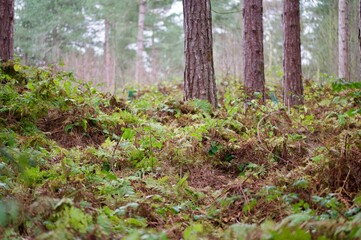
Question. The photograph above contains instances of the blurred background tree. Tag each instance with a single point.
(45, 30)
(97, 39)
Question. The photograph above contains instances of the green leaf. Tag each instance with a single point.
(318, 158)
(202, 105)
(213, 150)
(105, 223)
(296, 219)
(301, 183)
(137, 222)
(4, 186)
(128, 134)
(68, 128)
(121, 211)
(240, 231)
(132, 94)
(229, 157)
(296, 137)
(273, 98)
(3, 215)
(353, 112)
(192, 232)
(84, 124)
(286, 234)
(182, 182)
(9, 211)
(247, 207)
(357, 200)
(17, 67)
(177, 208)
(352, 212)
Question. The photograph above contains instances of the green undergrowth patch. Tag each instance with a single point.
(79, 164)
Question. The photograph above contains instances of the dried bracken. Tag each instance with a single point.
(93, 166)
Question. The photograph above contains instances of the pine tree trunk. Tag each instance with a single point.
(6, 30)
(113, 72)
(292, 77)
(199, 80)
(154, 62)
(139, 67)
(343, 37)
(107, 56)
(254, 78)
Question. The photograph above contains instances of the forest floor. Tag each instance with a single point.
(79, 164)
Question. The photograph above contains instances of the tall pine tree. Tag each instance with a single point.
(6, 29)
(343, 40)
(254, 79)
(199, 79)
(292, 70)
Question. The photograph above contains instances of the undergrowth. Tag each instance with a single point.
(79, 164)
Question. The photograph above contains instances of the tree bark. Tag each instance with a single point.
(292, 69)
(108, 63)
(139, 67)
(6, 30)
(154, 61)
(254, 79)
(107, 54)
(343, 49)
(199, 79)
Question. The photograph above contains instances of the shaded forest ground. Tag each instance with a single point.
(77, 163)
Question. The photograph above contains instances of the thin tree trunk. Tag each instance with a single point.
(292, 78)
(113, 73)
(107, 59)
(254, 78)
(343, 49)
(154, 61)
(139, 67)
(270, 59)
(199, 79)
(6, 30)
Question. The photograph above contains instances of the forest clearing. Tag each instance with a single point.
(256, 152)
